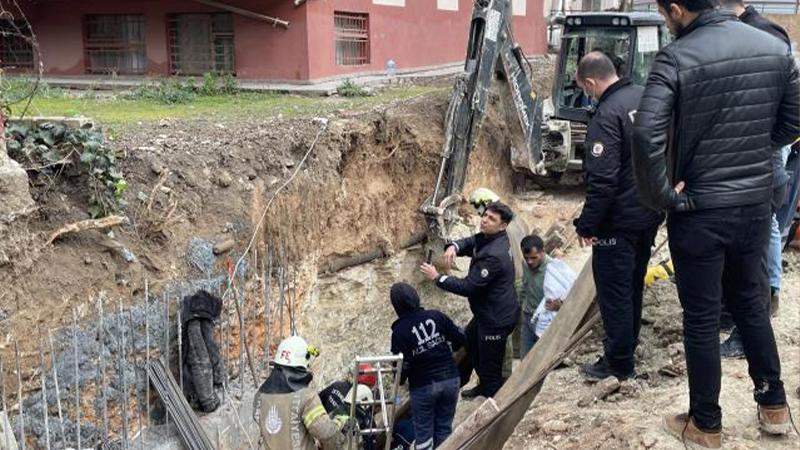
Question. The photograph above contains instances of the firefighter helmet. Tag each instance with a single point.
(293, 352)
(363, 394)
(481, 198)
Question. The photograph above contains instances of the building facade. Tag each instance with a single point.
(324, 38)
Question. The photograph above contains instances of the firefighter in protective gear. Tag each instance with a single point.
(288, 411)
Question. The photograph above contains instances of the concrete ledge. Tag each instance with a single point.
(71, 122)
(324, 86)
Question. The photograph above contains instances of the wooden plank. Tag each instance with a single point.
(487, 431)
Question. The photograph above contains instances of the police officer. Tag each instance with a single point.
(516, 231)
(288, 411)
(489, 288)
(620, 229)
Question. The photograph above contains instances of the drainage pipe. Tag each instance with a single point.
(344, 262)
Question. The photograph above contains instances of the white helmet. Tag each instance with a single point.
(293, 352)
(481, 198)
(363, 394)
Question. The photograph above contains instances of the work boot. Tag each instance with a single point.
(732, 347)
(471, 393)
(601, 370)
(774, 419)
(682, 426)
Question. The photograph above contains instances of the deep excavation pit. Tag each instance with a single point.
(357, 197)
(360, 191)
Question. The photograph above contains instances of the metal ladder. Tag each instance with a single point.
(382, 365)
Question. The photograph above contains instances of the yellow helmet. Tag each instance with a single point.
(481, 198)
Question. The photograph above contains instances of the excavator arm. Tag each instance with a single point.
(491, 51)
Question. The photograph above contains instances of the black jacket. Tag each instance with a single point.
(612, 203)
(751, 17)
(422, 337)
(718, 101)
(202, 365)
(333, 397)
(335, 404)
(489, 285)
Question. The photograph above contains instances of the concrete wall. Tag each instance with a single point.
(262, 51)
(420, 33)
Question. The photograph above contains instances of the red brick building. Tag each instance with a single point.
(324, 39)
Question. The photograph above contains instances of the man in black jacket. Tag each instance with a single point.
(750, 16)
(427, 339)
(489, 288)
(620, 229)
(732, 347)
(714, 110)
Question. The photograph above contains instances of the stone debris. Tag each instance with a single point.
(200, 255)
(555, 427)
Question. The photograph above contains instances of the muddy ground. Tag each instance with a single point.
(359, 190)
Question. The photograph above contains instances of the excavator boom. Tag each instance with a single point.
(491, 51)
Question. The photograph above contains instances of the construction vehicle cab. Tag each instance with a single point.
(631, 40)
(547, 135)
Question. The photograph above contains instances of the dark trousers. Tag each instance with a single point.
(716, 248)
(485, 352)
(619, 263)
(433, 407)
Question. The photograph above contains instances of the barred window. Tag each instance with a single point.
(16, 45)
(201, 43)
(352, 38)
(115, 44)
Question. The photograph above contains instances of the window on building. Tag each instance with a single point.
(201, 43)
(114, 44)
(16, 45)
(352, 38)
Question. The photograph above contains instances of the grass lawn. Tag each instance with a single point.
(118, 111)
